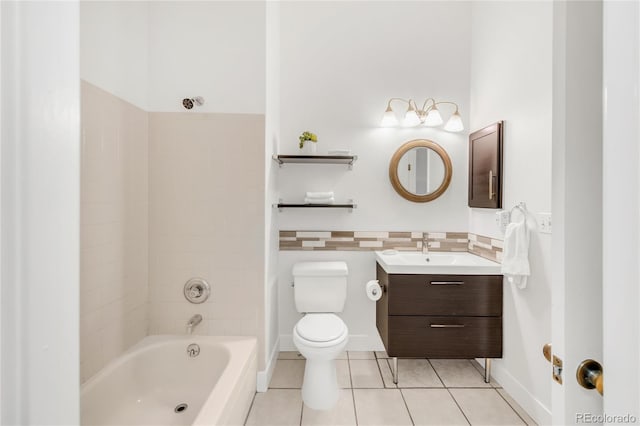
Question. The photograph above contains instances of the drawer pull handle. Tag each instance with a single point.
(446, 325)
(447, 282)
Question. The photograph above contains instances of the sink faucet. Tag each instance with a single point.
(425, 244)
(193, 321)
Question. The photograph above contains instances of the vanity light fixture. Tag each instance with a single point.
(429, 115)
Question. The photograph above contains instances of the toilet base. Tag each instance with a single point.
(320, 385)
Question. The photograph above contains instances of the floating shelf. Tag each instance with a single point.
(316, 159)
(349, 205)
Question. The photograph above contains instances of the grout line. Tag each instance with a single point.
(458, 405)
(511, 406)
(437, 374)
(395, 385)
(301, 411)
(250, 408)
(353, 394)
(380, 373)
(407, 407)
(451, 394)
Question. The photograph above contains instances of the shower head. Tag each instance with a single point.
(189, 103)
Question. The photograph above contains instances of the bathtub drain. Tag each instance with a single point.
(180, 408)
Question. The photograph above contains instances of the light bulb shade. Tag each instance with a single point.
(411, 117)
(454, 124)
(433, 117)
(389, 118)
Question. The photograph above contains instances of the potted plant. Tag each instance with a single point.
(308, 142)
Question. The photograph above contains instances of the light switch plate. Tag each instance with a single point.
(544, 223)
(502, 220)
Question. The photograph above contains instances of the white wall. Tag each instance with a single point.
(213, 49)
(40, 152)
(340, 63)
(113, 48)
(511, 80)
(272, 140)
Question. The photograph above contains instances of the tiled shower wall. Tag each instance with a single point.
(114, 242)
(206, 219)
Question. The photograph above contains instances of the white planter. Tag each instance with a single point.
(309, 148)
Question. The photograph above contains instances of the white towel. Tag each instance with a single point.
(320, 195)
(515, 259)
(329, 200)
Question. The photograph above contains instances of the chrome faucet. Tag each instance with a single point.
(193, 321)
(425, 244)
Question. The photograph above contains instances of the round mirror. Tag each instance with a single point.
(420, 170)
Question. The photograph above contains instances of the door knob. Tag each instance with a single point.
(589, 375)
(546, 351)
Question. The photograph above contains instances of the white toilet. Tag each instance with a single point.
(320, 289)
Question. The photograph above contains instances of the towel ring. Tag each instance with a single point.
(520, 206)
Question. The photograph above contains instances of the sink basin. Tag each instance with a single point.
(413, 262)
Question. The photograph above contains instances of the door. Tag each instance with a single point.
(596, 192)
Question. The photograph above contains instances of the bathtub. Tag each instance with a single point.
(157, 382)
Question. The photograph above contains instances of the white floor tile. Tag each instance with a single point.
(290, 355)
(343, 374)
(433, 407)
(276, 407)
(523, 414)
(480, 368)
(485, 407)
(458, 373)
(380, 407)
(381, 354)
(385, 370)
(365, 373)
(417, 373)
(361, 355)
(288, 374)
(342, 414)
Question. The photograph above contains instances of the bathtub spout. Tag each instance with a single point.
(193, 321)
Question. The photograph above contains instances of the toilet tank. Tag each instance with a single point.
(320, 286)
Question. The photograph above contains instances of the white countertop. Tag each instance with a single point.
(453, 263)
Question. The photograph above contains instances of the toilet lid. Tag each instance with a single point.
(320, 327)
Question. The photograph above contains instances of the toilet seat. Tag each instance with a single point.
(321, 330)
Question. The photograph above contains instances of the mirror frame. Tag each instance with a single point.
(395, 179)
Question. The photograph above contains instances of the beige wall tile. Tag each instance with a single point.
(114, 227)
(206, 219)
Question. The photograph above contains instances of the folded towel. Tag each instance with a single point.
(329, 200)
(339, 152)
(322, 195)
(515, 259)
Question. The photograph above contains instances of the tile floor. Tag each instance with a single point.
(429, 392)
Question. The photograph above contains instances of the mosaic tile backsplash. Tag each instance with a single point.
(380, 240)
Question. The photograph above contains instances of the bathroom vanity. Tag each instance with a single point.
(449, 306)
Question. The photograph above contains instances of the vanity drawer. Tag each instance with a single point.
(445, 337)
(469, 295)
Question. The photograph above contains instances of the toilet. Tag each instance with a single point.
(320, 290)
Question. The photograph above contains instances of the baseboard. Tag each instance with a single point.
(538, 411)
(264, 377)
(357, 342)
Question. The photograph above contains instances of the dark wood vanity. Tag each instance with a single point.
(440, 316)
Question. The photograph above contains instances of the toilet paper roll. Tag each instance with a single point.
(373, 289)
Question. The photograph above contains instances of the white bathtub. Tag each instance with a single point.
(146, 384)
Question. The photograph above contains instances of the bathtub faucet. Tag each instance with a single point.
(193, 321)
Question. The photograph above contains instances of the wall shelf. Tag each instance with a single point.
(316, 159)
(350, 205)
